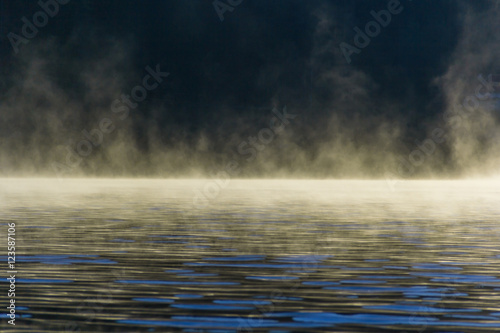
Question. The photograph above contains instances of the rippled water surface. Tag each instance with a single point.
(262, 256)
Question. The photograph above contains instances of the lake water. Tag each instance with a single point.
(262, 256)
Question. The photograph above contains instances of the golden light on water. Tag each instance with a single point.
(435, 197)
(317, 243)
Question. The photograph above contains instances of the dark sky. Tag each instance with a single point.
(225, 78)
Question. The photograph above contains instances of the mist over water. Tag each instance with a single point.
(396, 110)
(250, 166)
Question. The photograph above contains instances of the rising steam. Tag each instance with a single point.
(344, 123)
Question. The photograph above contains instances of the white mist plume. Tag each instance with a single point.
(472, 123)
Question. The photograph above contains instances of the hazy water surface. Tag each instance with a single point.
(263, 256)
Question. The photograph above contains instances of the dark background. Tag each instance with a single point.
(225, 77)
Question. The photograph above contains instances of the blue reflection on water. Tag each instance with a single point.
(202, 283)
(188, 296)
(153, 300)
(212, 307)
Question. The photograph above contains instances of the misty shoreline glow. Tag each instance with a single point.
(440, 195)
